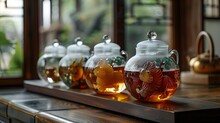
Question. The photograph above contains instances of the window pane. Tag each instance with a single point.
(11, 38)
(142, 16)
(88, 19)
(211, 9)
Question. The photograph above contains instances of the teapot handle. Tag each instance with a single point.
(198, 43)
(175, 52)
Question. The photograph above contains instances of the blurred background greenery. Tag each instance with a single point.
(67, 19)
(11, 51)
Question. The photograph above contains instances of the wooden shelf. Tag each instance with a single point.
(176, 109)
(189, 77)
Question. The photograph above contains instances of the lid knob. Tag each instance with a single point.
(55, 48)
(152, 35)
(106, 39)
(78, 41)
(55, 43)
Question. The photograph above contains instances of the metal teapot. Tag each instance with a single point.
(207, 62)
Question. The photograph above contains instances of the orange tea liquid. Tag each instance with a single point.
(107, 83)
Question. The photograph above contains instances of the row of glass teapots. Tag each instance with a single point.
(69, 66)
(151, 75)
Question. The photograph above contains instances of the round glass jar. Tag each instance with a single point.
(48, 63)
(104, 70)
(71, 66)
(152, 75)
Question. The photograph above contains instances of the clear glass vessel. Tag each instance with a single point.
(71, 66)
(105, 69)
(152, 75)
(48, 63)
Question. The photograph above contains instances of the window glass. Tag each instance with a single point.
(11, 38)
(142, 16)
(67, 19)
(211, 9)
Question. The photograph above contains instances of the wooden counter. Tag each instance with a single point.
(22, 105)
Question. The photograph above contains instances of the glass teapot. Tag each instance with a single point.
(48, 63)
(104, 70)
(72, 64)
(152, 75)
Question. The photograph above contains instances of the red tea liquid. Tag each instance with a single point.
(161, 86)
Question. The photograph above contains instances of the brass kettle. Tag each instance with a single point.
(207, 62)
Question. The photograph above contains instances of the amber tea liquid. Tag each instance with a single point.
(73, 77)
(49, 70)
(106, 84)
(50, 74)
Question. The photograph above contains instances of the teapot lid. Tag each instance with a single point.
(79, 47)
(152, 46)
(107, 47)
(55, 48)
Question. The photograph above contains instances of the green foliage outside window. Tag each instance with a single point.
(11, 52)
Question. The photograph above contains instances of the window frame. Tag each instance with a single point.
(187, 23)
(31, 37)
